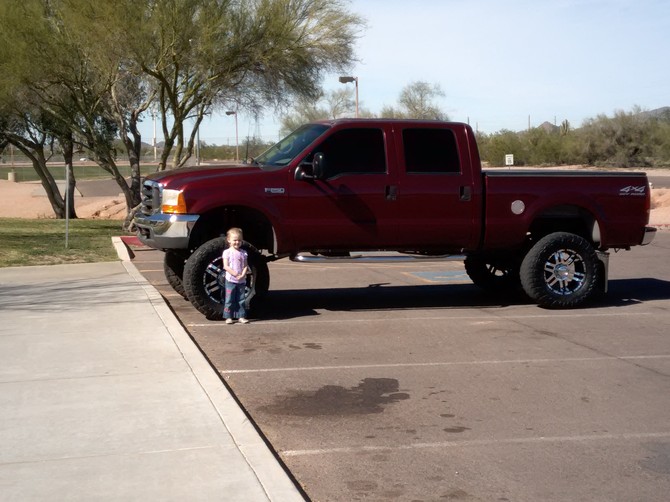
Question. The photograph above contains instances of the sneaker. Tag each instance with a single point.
(243, 320)
(229, 321)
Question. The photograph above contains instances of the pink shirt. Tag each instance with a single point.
(237, 261)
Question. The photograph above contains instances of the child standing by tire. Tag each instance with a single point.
(235, 263)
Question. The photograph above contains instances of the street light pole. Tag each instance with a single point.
(237, 142)
(197, 146)
(346, 80)
(153, 114)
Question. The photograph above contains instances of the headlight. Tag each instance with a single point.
(173, 201)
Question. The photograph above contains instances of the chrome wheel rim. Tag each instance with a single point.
(214, 281)
(564, 272)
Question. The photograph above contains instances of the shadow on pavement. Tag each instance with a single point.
(287, 304)
(623, 292)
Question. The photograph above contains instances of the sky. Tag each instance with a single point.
(502, 64)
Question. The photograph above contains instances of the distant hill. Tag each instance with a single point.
(658, 113)
(662, 113)
(548, 127)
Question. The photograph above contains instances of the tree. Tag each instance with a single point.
(71, 84)
(232, 55)
(417, 101)
(493, 148)
(26, 124)
(34, 135)
(623, 140)
(97, 67)
(332, 105)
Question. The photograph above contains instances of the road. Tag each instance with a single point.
(658, 181)
(397, 382)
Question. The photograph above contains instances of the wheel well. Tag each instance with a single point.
(215, 223)
(566, 218)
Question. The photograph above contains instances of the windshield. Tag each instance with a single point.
(282, 153)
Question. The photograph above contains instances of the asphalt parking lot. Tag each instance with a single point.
(406, 382)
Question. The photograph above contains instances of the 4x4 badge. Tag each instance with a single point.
(633, 190)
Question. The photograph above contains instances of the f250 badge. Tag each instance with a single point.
(633, 190)
(275, 190)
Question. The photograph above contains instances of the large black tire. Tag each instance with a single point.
(204, 276)
(561, 271)
(493, 274)
(173, 266)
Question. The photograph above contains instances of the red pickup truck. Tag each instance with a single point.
(349, 189)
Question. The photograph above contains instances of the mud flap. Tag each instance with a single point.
(604, 259)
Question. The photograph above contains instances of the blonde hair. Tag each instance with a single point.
(234, 231)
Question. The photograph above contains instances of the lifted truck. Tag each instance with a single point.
(335, 188)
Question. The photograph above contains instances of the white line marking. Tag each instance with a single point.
(319, 266)
(448, 363)
(479, 442)
(499, 317)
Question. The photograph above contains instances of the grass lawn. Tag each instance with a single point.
(42, 242)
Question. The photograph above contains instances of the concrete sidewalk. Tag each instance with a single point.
(103, 396)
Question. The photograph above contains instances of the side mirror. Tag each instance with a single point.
(319, 166)
(315, 170)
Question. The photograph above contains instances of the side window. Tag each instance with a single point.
(430, 151)
(354, 151)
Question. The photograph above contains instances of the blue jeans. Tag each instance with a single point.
(233, 306)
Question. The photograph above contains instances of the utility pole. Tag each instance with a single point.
(153, 114)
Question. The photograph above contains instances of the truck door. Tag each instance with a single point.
(348, 207)
(435, 199)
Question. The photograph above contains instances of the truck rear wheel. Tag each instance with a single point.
(204, 277)
(173, 266)
(492, 275)
(561, 271)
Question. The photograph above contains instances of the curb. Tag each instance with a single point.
(122, 251)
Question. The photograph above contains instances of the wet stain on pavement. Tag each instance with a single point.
(659, 460)
(455, 494)
(362, 486)
(457, 429)
(372, 395)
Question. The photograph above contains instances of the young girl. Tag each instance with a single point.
(236, 266)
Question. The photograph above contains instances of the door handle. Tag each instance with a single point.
(391, 192)
(465, 193)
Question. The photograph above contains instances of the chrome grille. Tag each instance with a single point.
(151, 197)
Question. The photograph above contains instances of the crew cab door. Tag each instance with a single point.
(436, 199)
(347, 207)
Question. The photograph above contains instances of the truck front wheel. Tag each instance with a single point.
(561, 271)
(204, 277)
(173, 266)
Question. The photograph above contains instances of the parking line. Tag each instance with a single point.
(632, 436)
(447, 363)
(441, 318)
(441, 276)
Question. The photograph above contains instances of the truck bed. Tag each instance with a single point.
(614, 204)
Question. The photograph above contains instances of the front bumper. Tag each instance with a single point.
(165, 231)
(649, 234)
